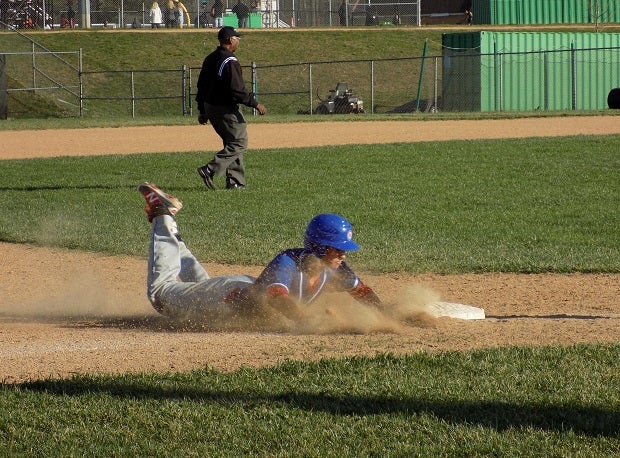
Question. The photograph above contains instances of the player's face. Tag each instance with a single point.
(234, 41)
(333, 257)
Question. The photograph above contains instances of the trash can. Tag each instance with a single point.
(613, 99)
(255, 20)
(231, 20)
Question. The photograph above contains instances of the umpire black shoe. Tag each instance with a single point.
(207, 176)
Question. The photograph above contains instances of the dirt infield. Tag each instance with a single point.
(129, 140)
(65, 312)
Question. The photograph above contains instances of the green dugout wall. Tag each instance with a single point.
(545, 11)
(522, 71)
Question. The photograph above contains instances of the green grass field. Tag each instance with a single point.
(503, 402)
(536, 205)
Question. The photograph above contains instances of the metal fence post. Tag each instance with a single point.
(34, 68)
(254, 79)
(133, 96)
(501, 82)
(184, 90)
(372, 86)
(497, 77)
(435, 84)
(310, 86)
(545, 80)
(419, 14)
(81, 83)
(421, 79)
(189, 92)
(573, 67)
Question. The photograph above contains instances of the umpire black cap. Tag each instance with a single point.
(227, 32)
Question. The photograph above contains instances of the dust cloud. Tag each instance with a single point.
(86, 298)
(331, 314)
(341, 314)
(83, 296)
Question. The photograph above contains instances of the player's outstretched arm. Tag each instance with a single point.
(366, 295)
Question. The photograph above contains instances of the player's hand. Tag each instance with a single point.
(261, 109)
(202, 118)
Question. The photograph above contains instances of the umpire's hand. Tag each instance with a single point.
(261, 109)
(202, 118)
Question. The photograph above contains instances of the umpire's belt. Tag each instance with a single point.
(221, 109)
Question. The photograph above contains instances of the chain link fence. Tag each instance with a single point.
(38, 82)
(135, 93)
(50, 14)
(384, 85)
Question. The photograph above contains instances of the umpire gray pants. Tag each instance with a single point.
(229, 123)
(177, 284)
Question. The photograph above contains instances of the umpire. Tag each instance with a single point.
(220, 91)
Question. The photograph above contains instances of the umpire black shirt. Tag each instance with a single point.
(221, 83)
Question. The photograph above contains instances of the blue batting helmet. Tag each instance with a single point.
(329, 230)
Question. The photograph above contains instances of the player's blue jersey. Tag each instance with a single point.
(285, 271)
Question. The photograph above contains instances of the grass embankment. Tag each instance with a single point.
(159, 55)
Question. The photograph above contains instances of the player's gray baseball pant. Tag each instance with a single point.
(177, 284)
(229, 123)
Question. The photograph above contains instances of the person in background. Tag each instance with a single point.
(70, 15)
(243, 12)
(220, 91)
(181, 13)
(171, 20)
(342, 13)
(371, 16)
(155, 16)
(217, 13)
(469, 17)
(467, 8)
